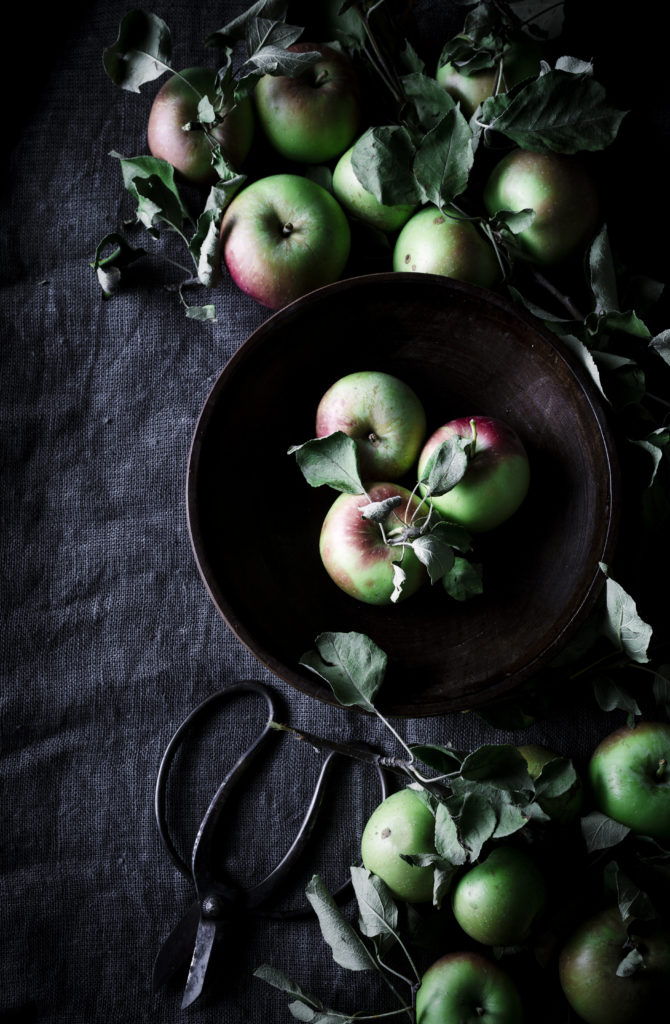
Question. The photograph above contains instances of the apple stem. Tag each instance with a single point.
(287, 229)
(321, 78)
(661, 769)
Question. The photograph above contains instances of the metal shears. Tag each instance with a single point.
(218, 896)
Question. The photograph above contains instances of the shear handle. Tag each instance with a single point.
(248, 686)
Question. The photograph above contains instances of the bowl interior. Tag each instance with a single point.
(255, 522)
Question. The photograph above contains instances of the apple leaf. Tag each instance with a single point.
(206, 313)
(543, 20)
(352, 665)
(602, 273)
(238, 28)
(455, 536)
(273, 60)
(204, 246)
(447, 841)
(442, 759)
(630, 964)
(464, 579)
(280, 981)
(477, 822)
(632, 901)
(399, 577)
(611, 696)
(585, 356)
(331, 461)
(446, 465)
(514, 221)
(557, 112)
(623, 626)
(434, 553)
(601, 832)
(348, 948)
(378, 914)
(151, 181)
(382, 162)
(557, 777)
(109, 268)
(141, 52)
(661, 345)
(262, 32)
(444, 158)
(428, 101)
(378, 511)
(500, 765)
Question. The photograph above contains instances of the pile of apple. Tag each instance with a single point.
(613, 964)
(380, 541)
(285, 234)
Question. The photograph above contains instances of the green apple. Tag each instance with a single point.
(563, 808)
(588, 963)
(355, 554)
(496, 480)
(383, 415)
(282, 237)
(467, 988)
(402, 824)
(521, 60)
(560, 192)
(498, 900)
(629, 773)
(190, 152)
(312, 117)
(357, 201)
(432, 242)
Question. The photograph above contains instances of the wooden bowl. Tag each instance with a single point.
(255, 522)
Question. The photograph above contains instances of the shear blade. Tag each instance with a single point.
(176, 951)
(204, 942)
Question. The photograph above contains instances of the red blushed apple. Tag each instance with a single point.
(496, 480)
(312, 117)
(355, 554)
(382, 414)
(190, 153)
(282, 237)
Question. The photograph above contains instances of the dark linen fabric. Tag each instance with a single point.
(109, 638)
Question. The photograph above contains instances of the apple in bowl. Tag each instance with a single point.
(496, 479)
(383, 415)
(360, 557)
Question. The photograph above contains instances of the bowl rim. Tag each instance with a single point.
(309, 683)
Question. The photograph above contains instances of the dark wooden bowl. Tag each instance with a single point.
(255, 522)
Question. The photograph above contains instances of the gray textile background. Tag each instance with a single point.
(109, 638)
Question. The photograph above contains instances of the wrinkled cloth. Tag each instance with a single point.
(109, 638)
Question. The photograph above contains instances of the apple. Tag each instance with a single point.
(353, 550)
(432, 242)
(588, 963)
(467, 988)
(176, 104)
(563, 808)
(382, 414)
(498, 900)
(521, 60)
(402, 824)
(314, 116)
(629, 773)
(561, 193)
(282, 237)
(496, 480)
(357, 201)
